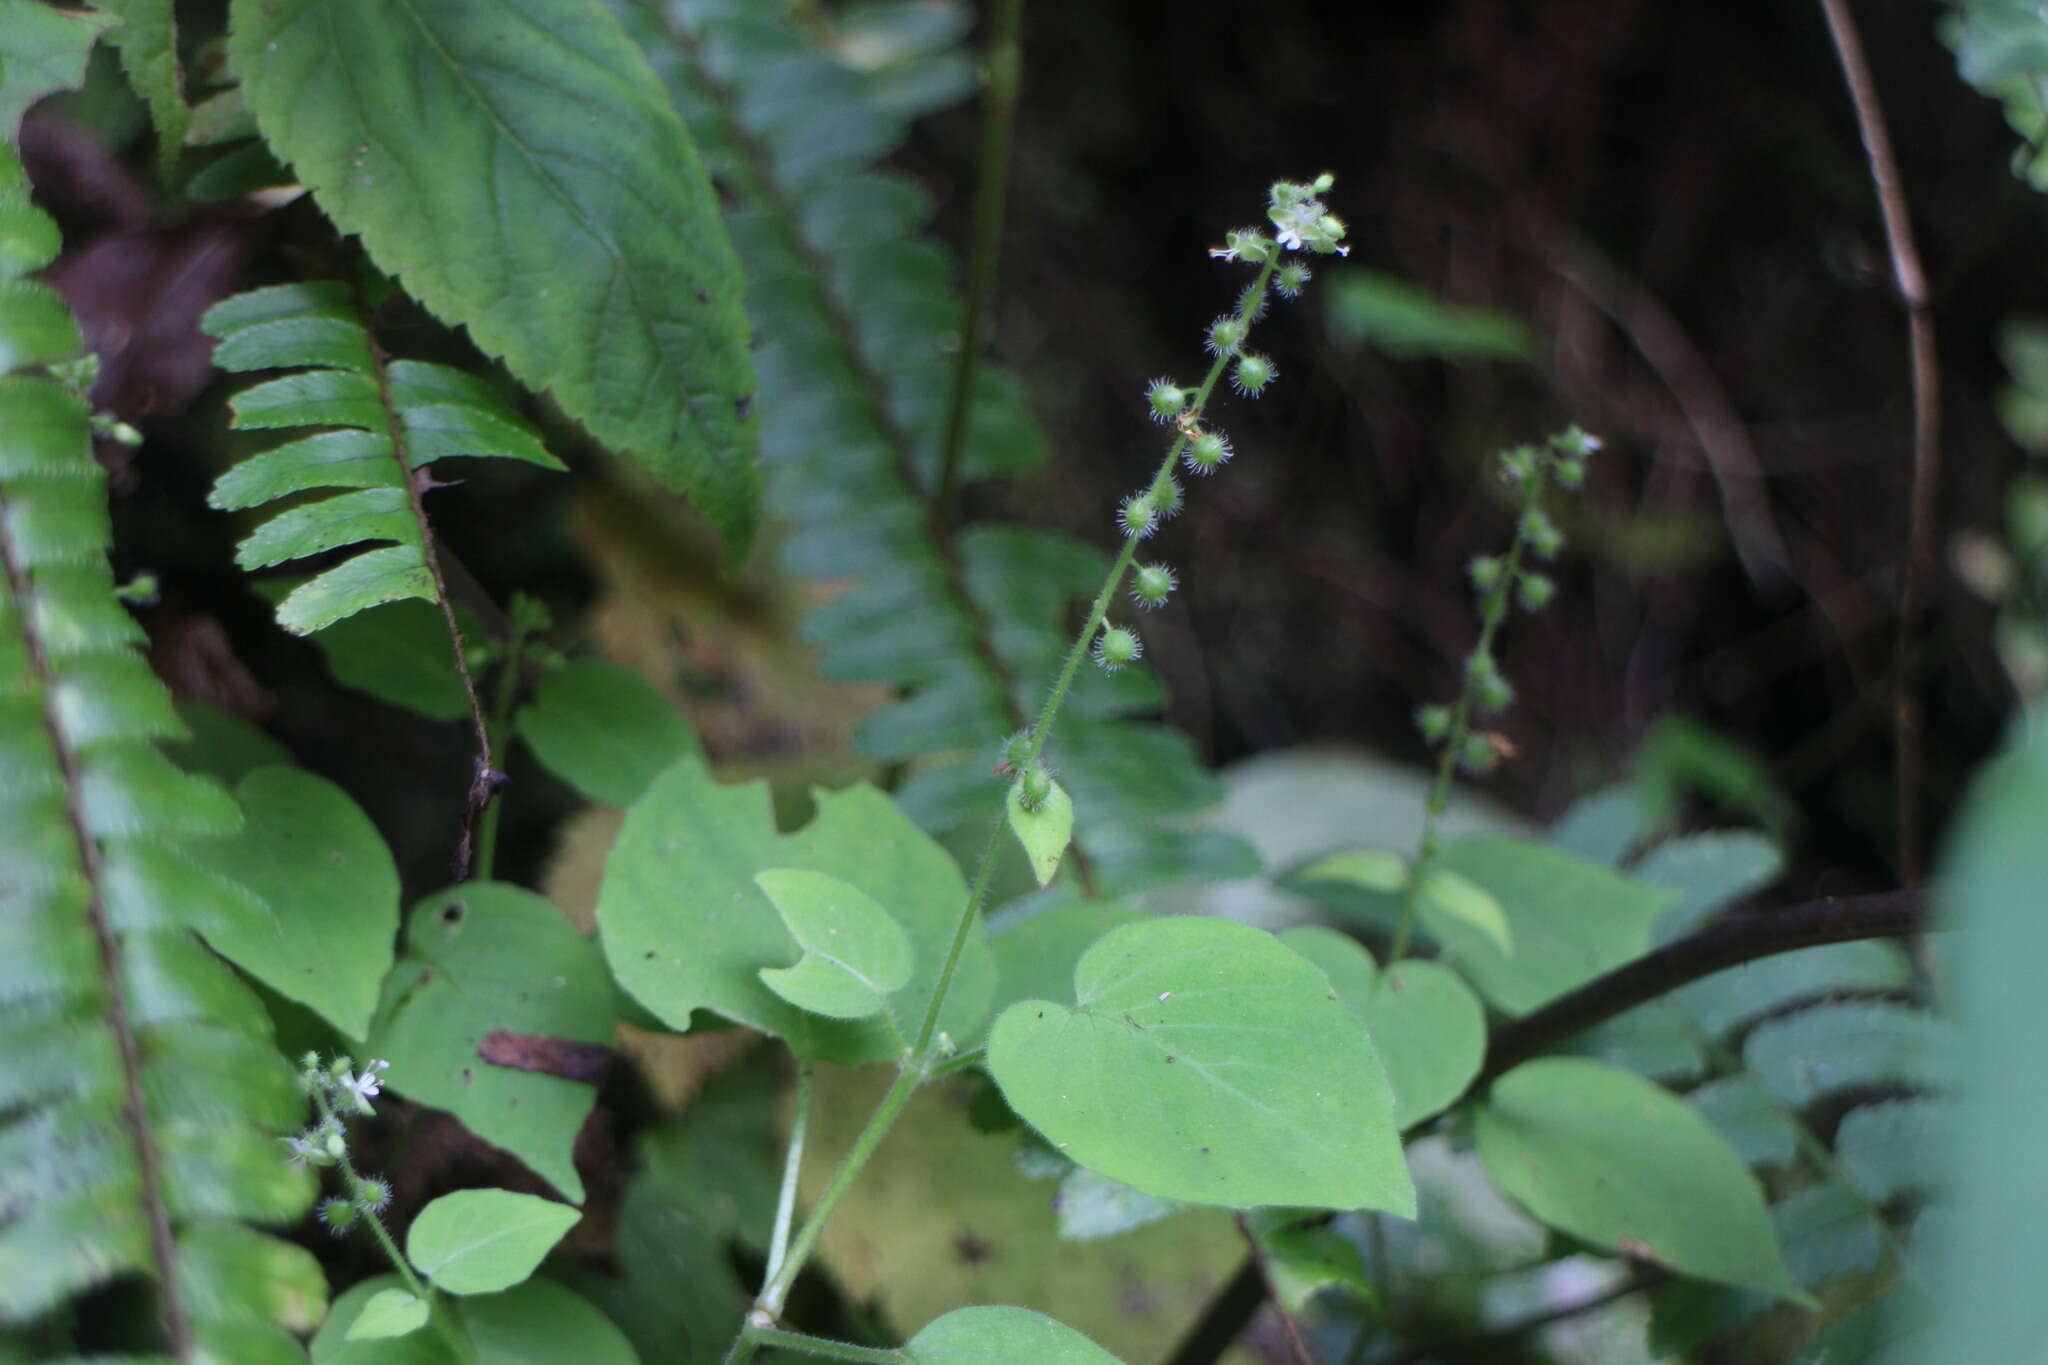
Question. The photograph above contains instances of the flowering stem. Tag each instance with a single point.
(1493, 611)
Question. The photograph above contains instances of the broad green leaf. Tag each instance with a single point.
(1304, 1256)
(1442, 895)
(328, 888)
(1044, 832)
(855, 954)
(594, 263)
(1623, 1164)
(147, 37)
(686, 928)
(222, 745)
(604, 730)
(1986, 1300)
(1372, 868)
(1002, 1336)
(1425, 1023)
(1571, 920)
(1709, 871)
(1203, 1061)
(1035, 953)
(482, 957)
(389, 1313)
(482, 1241)
(42, 49)
(534, 1323)
(399, 654)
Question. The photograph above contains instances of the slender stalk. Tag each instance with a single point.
(1295, 1345)
(1493, 611)
(1912, 284)
(501, 721)
(823, 1347)
(999, 119)
(792, 1166)
(878, 1125)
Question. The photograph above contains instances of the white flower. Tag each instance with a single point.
(366, 1084)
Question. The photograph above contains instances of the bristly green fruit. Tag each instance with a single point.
(1117, 647)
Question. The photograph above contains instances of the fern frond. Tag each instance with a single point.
(140, 1090)
(391, 420)
(858, 322)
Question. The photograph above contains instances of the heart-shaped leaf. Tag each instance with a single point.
(1622, 1163)
(1428, 1027)
(1002, 1336)
(482, 1241)
(855, 955)
(1204, 1061)
(604, 730)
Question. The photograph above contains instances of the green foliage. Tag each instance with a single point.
(1425, 1023)
(595, 192)
(469, 971)
(855, 955)
(147, 38)
(680, 941)
(1618, 1162)
(1203, 1061)
(140, 1086)
(603, 730)
(323, 941)
(1394, 315)
(390, 421)
(534, 1323)
(858, 323)
(1985, 1305)
(41, 49)
(482, 1241)
(973, 1336)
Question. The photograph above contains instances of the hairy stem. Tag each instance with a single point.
(824, 1348)
(1911, 279)
(1005, 61)
(501, 722)
(792, 1167)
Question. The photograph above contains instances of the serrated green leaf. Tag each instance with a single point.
(328, 889)
(42, 49)
(1886, 1150)
(1426, 1025)
(389, 1313)
(482, 957)
(1619, 1162)
(604, 730)
(855, 955)
(685, 927)
(1571, 920)
(147, 37)
(1850, 1045)
(1002, 1336)
(1203, 1061)
(392, 574)
(1043, 832)
(636, 328)
(35, 326)
(482, 1241)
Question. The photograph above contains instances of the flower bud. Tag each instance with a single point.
(1137, 516)
(1536, 591)
(1165, 495)
(335, 1146)
(1493, 692)
(1166, 399)
(1225, 336)
(1206, 453)
(1576, 444)
(1117, 647)
(1250, 375)
(1152, 584)
(1434, 722)
(1034, 788)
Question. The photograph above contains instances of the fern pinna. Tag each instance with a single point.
(390, 420)
(858, 330)
(140, 1090)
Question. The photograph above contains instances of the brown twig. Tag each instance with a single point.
(1271, 1291)
(1912, 285)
